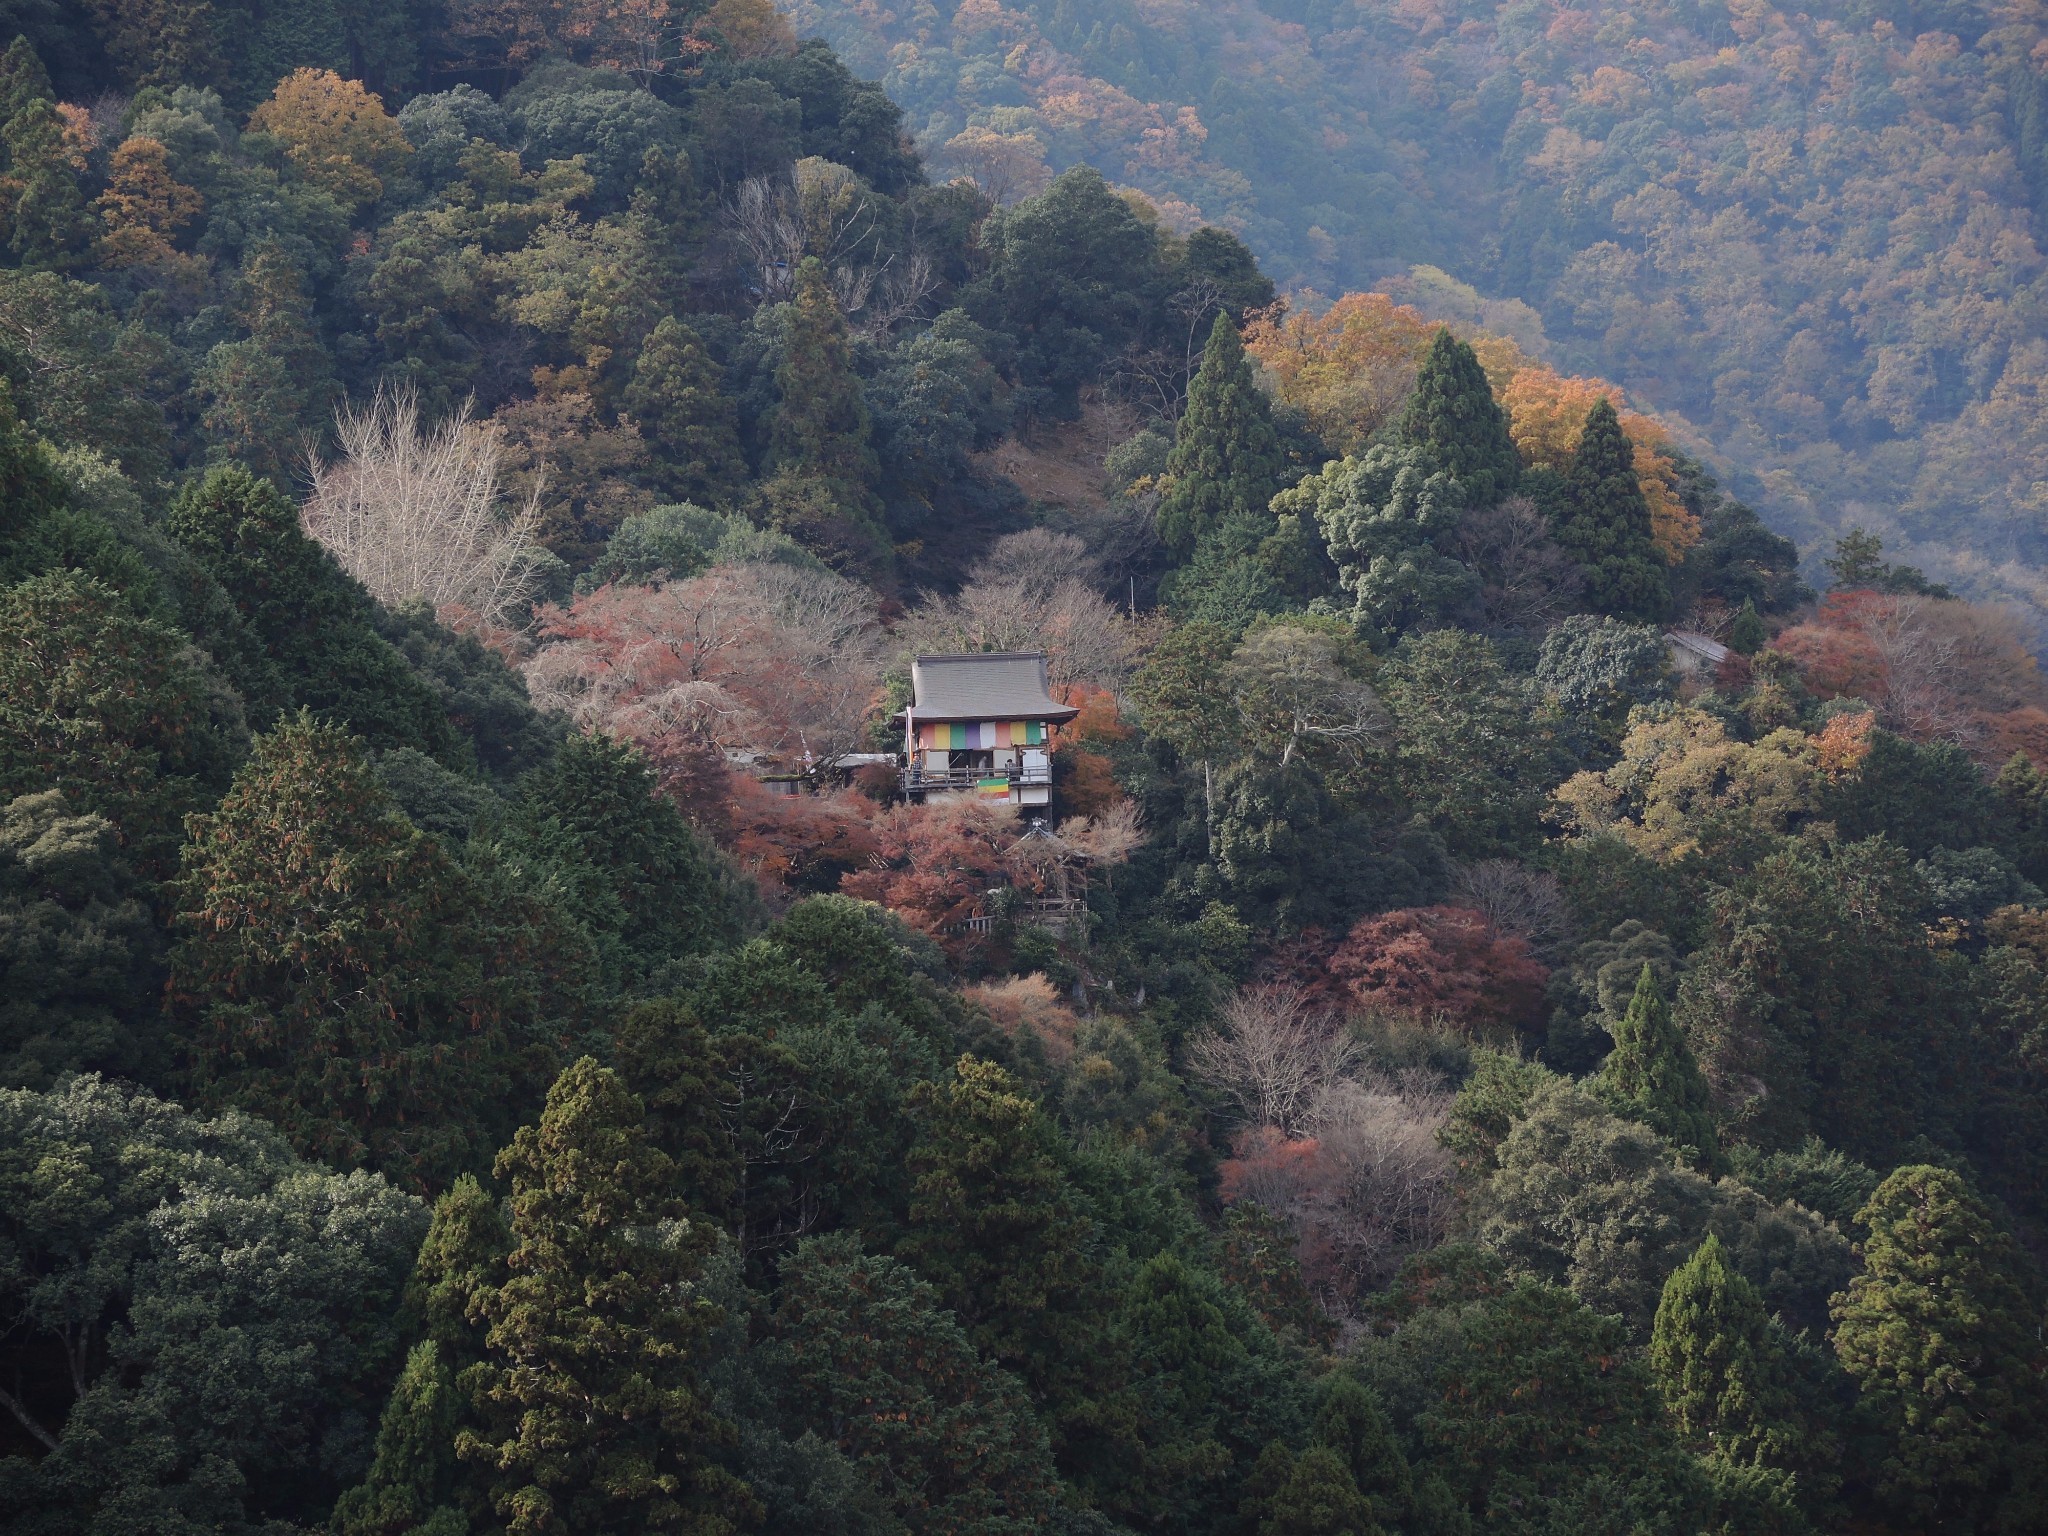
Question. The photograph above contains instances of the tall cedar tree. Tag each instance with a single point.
(996, 1227)
(1719, 1364)
(677, 398)
(1312, 1494)
(1604, 522)
(1941, 1334)
(593, 1414)
(23, 78)
(640, 876)
(1454, 416)
(1651, 1075)
(324, 976)
(312, 624)
(106, 706)
(416, 1482)
(410, 1485)
(1226, 465)
(821, 423)
(51, 226)
(873, 1364)
(1350, 1421)
(670, 1061)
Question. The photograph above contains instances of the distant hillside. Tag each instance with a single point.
(1813, 236)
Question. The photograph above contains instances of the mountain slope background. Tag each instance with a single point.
(1813, 237)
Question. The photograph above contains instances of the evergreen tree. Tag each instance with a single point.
(1349, 1421)
(269, 392)
(325, 975)
(1940, 1332)
(22, 79)
(409, 1485)
(1226, 463)
(592, 1413)
(996, 1228)
(677, 398)
(872, 1363)
(1603, 522)
(51, 226)
(1311, 1494)
(821, 421)
(1747, 634)
(1719, 1364)
(310, 625)
(670, 1061)
(1651, 1075)
(1453, 416)
(108, 707)
(640, 878)
(79, 987)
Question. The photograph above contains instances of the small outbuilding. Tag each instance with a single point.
(981, 724)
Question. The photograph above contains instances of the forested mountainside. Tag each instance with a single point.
(1814, 233)
(487, 1044)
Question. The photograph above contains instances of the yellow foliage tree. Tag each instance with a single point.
(144, 206)
(1682, 782)
(1348, 369)
(751, 29)
(336, 133)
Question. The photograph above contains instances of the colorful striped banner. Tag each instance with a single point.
(969, 736)
(992, 789)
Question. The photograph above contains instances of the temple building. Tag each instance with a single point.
(981, 724)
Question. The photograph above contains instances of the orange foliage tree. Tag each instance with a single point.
(796, 842)
(1546, 415)
(337, 133)
(1084, 780)
(942, 862)
(144, 206)
(1348, 369)
(1442, 962)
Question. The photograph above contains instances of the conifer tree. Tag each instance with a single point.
(1310, 1494)
(309, 626)
(1604, 522)
(1651, 1075)
(592, 1413)
(409, 1486)
(23, 78)
(1349, 1421)
(324, 976)
(1454, 416)
(107, 706)
(1940, 1332)
(677, 398)
(51, 226)
(670, 1061)
(1226, 462)
(1719, 1364)
(1746, 635)
(873, 1363)
(821, 423)
(997, 1230)
(265, 393)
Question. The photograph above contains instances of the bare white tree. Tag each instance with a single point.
(1274, 1057)
(1515, 899)
(1388, 1183)
(419, 514)
(1032, 593)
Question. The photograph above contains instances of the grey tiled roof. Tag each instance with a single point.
(983, 686)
